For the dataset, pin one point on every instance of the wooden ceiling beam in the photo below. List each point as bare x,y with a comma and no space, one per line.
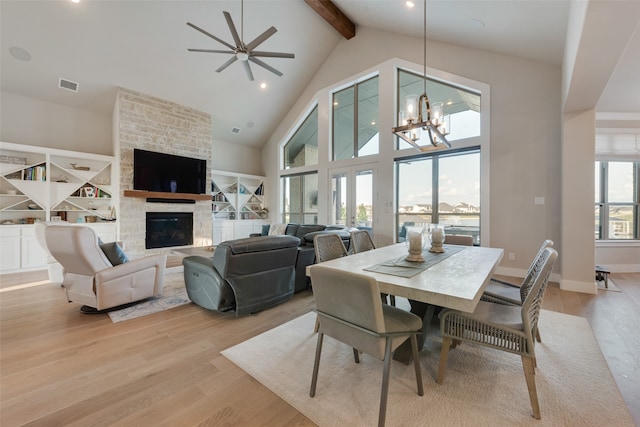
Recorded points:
334,16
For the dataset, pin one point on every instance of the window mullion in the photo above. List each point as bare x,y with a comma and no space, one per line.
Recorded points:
435,196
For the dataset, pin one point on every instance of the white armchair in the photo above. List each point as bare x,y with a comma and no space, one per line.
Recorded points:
91,279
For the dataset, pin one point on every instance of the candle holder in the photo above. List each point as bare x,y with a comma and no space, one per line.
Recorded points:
416,241
437,237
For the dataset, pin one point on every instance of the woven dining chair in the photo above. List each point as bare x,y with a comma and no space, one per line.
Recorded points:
328,246
503,327
458,239
361,242
350,310
501,292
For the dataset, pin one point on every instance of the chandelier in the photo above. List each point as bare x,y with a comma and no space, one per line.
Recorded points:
420,116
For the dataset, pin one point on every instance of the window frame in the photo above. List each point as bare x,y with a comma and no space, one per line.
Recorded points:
604,205
303,213
356,115
434,215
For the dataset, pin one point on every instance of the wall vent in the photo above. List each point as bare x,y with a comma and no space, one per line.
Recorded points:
68,85
235,130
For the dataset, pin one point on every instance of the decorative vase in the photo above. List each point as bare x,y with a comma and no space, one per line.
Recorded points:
437,237
415,242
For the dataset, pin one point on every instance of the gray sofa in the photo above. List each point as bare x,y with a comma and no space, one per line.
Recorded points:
306,252
245,275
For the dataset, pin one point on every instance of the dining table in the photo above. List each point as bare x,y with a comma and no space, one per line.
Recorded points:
452,279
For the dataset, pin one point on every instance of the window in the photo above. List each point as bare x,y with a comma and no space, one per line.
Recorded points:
617,198
440,188
355,120
300,198
302,148
461,107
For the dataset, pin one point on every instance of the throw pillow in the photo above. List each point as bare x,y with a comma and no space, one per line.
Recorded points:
277,229
114,253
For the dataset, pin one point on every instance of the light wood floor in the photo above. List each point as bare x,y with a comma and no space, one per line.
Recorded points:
60,367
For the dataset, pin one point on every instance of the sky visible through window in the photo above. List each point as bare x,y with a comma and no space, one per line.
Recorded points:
459,181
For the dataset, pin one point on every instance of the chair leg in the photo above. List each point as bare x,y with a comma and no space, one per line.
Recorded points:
529,374
538,335
392,299
316,366
356,355
444,355
385,383
317,326
416,364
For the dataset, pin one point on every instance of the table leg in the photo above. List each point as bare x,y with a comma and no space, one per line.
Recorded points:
425,311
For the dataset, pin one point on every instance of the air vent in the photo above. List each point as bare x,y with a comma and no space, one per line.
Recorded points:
235,130
68,85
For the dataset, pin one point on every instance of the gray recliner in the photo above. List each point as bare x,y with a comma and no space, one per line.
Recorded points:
245,275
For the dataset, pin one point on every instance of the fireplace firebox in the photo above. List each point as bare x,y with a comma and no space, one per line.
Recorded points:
166,229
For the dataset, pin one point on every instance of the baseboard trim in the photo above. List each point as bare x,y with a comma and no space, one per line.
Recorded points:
584,287
622,268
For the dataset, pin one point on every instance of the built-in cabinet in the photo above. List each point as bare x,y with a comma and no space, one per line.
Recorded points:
235,229
37,184
20,250
238,207
237,196
40,184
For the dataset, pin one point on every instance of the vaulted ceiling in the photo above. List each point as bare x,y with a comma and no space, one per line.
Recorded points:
142,45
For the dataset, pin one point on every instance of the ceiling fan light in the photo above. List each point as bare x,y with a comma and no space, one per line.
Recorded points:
242,56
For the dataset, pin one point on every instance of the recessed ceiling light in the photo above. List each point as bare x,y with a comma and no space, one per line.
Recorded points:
410,4
20,53
75,1
263,85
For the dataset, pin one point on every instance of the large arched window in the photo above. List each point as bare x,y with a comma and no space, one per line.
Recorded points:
302,147
461,106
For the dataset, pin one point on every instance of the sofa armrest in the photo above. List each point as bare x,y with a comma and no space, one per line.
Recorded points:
154,261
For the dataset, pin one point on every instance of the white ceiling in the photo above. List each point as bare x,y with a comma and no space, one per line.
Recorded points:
142,45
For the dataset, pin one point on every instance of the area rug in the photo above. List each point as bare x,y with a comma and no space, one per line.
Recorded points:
174,294
482,387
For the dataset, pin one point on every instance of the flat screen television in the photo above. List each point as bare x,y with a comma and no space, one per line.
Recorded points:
168,173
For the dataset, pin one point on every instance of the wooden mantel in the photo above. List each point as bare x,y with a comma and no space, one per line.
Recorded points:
163,195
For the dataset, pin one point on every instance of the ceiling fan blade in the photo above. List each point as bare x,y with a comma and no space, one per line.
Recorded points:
195,27
261,38
211,51
247,68
266,66
272,54
232,28
226,64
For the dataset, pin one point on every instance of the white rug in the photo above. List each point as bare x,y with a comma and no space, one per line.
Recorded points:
482,387
174,294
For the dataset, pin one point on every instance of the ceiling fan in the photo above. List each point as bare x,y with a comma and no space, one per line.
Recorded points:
241,51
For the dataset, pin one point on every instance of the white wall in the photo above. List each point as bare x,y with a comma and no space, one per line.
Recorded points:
32,121
44,124
525,132
230,157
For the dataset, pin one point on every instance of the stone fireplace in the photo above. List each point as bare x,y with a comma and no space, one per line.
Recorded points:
153,124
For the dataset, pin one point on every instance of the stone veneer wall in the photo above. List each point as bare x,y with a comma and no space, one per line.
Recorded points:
153,124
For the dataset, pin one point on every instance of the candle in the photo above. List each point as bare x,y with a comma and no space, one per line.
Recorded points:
415,242
437,235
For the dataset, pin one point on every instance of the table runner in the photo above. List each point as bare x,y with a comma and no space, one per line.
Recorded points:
403,268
